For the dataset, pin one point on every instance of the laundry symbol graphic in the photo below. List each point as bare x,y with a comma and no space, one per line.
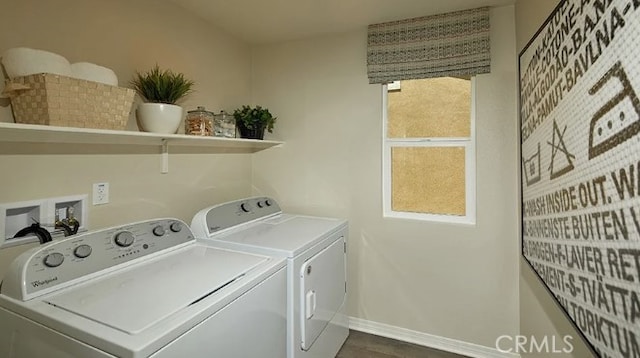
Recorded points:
557,144
532,172
619,118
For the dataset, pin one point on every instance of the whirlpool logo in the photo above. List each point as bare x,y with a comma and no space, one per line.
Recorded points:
38,283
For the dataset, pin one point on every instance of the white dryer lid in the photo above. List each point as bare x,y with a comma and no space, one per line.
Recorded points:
284,235
136,298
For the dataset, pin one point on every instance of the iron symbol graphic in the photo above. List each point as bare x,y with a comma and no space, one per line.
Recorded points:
619,118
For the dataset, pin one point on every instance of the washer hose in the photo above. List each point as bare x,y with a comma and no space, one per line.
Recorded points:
43,234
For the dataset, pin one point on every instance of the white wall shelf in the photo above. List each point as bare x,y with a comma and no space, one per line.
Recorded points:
13,132
31,133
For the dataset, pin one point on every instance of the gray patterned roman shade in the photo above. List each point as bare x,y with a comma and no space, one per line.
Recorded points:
453,44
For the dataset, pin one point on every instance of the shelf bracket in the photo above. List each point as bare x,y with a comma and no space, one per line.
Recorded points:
165,156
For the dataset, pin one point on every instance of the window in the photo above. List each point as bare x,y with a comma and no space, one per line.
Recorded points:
429,150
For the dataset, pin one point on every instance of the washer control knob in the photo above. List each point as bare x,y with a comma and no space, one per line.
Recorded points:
175,226
158,230
54,259
124,238
267,202
260,204
245,207
82,251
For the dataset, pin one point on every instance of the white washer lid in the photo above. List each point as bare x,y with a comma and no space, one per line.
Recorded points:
138,297
283,235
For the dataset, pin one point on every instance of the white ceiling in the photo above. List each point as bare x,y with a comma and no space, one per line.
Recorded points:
268,21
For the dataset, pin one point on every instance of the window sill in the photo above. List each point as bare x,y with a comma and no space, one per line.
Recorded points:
431,218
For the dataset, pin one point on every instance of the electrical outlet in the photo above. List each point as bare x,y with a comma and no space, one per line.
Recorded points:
100,193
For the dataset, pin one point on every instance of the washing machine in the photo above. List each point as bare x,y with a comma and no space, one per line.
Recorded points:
315,250
146,289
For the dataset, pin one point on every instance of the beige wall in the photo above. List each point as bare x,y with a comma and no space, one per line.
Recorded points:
540,316
127,36
448,280
454,281
530,14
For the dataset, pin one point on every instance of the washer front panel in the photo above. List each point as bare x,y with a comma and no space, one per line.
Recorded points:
45,268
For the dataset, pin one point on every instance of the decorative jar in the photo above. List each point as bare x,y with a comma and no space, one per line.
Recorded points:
199,122
225,125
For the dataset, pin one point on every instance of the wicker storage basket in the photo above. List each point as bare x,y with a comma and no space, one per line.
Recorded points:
69,102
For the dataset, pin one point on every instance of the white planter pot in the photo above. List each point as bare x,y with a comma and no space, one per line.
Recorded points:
159,117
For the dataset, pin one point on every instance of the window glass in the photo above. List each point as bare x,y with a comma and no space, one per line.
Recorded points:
428,180
430,108
429,150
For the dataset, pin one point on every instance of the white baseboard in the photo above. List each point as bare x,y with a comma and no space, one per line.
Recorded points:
427,340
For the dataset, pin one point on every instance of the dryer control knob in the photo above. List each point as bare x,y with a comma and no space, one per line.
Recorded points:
267,202
260,204
158,230
54,259
124,239
245,207
82,251
175,226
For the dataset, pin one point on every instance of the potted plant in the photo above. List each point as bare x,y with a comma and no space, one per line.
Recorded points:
251,122
161,89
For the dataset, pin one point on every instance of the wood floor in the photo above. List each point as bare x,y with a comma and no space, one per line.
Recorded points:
363,345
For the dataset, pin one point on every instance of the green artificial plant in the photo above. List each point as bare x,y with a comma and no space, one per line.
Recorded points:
254,118
161,86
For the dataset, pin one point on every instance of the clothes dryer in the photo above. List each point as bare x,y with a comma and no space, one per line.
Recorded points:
315,250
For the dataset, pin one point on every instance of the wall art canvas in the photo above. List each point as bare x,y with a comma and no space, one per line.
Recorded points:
580,158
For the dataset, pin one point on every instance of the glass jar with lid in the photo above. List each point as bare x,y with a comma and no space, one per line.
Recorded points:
224,125
199,122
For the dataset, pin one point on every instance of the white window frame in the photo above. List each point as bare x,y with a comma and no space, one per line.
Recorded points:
469,144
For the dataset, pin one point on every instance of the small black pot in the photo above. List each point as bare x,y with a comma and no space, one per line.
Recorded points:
257,133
